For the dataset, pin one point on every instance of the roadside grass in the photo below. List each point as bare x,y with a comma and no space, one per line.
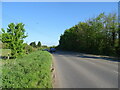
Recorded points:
31,71
5,52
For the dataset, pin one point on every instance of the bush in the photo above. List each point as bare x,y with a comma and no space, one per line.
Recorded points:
28,48
118,51
31,71
5,45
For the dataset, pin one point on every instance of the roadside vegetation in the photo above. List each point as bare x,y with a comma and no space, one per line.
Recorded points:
5,52
99,35
31,71
23,65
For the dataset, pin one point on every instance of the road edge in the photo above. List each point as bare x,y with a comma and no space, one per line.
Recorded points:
54,73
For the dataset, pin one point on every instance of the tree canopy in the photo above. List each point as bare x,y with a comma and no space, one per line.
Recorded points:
14,37
39,44
99,35
33,44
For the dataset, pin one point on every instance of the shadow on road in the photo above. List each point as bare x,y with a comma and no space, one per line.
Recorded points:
104,58
82,55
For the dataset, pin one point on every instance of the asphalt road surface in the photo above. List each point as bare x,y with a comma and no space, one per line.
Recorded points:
75,70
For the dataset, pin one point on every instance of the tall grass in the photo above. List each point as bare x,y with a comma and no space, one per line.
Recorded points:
31,71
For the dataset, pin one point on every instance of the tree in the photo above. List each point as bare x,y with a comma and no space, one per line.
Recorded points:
28,49
39,44
98,35
14,37
33,44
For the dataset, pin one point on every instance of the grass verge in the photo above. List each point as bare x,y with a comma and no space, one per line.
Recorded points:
31,71
5,52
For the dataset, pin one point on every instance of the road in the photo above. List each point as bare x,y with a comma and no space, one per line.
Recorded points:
76,70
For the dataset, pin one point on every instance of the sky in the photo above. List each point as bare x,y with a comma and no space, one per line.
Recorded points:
60,0
46,21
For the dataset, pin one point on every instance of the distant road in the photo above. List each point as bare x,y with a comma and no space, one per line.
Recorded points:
75,70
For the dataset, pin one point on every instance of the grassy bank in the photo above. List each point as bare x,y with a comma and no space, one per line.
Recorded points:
31,71
5,52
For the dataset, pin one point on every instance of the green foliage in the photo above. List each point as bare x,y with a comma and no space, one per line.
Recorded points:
41,48
33,71
0,45
5,52
33,44
44,46
39,44
5,45
14,38
97,35
53,46
28,49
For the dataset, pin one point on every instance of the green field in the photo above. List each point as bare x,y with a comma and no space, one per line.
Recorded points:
31,71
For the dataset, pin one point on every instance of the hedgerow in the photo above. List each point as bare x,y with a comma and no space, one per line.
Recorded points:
31,71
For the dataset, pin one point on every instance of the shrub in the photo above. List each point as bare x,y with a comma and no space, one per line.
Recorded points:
28,48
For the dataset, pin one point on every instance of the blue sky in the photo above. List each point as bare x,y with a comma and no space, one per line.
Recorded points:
46,21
